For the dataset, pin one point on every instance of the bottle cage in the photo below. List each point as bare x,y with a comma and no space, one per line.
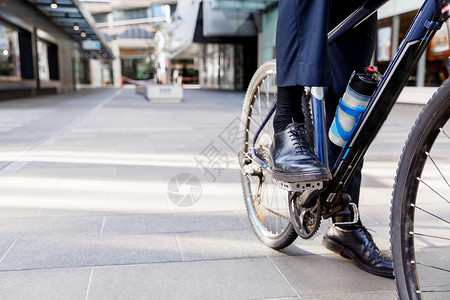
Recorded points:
354,112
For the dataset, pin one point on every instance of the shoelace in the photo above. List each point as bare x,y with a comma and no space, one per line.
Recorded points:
373,249
299,138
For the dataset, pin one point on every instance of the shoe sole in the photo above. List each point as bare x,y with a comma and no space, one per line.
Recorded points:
349,254
301,178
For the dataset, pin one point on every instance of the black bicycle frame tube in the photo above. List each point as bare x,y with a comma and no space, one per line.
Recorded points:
367,9
427,22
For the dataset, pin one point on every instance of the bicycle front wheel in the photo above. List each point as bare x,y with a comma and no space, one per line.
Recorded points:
420,213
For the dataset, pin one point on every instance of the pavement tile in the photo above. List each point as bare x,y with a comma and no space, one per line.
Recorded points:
68,252
215,196
329,275
5,245
56,284
220,279
436,256
66,169
227,245
6,211
92,170
50,227
171,223
379,295
112,203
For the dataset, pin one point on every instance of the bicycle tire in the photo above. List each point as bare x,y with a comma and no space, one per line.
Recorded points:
269,217
413,242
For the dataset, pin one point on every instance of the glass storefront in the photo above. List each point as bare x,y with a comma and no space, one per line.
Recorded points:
437,56
433,71
138,68
185,71
221,66
9,52
47,60
85,73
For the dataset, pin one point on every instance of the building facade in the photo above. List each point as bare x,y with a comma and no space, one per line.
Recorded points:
42,51
219,39
136,32
224,41
394,19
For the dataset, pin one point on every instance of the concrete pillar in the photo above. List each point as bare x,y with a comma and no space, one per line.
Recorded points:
116,65
96,72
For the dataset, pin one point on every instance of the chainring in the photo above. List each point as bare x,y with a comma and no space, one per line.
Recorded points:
306,220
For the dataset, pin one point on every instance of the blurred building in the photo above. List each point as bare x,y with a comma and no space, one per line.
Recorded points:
394,20
135,30
219,40
225,40
49,46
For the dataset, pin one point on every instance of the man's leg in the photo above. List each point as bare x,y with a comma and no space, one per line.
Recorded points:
353,51
302,59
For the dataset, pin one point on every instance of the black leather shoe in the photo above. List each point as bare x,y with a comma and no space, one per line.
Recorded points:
358,245
293,159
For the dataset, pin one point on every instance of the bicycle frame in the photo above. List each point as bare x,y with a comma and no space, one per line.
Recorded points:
429,19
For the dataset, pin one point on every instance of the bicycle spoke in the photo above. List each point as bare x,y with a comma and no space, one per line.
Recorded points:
256,102
274,199
430,236
269,219
431,214
267,93
253,121
437,168
445,133
419,179
430,266
270,203
435,291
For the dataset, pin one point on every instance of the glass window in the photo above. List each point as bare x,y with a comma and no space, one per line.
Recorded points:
101,18
161,11
47,60
121,15
158,11
9,52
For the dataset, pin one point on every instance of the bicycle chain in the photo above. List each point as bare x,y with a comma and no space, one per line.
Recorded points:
274,212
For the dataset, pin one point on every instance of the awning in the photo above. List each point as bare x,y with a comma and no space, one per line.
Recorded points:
77,21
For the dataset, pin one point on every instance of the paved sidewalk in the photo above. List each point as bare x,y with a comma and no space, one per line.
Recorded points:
87,204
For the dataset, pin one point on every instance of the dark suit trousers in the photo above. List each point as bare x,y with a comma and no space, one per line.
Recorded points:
305,58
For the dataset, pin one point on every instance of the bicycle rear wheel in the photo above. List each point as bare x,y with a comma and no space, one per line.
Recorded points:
267,204
420,212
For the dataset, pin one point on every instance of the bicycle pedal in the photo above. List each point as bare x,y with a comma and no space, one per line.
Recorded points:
299,186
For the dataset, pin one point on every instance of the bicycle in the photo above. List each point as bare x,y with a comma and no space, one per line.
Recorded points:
281,211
